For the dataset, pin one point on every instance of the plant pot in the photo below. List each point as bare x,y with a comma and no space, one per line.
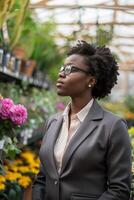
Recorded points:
27,195
31,66
28,67
19,53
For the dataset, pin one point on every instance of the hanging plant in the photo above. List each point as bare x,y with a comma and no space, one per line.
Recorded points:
12,13
19,23
5,7
104,35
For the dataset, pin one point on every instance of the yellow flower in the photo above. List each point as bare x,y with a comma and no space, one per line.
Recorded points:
2,179
18,162
11,176
27,154
15,168
131,130
23,169
2,186
35,171
34,164
24,181
132,142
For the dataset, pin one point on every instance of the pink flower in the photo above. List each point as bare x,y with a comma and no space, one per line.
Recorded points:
18,114
5,106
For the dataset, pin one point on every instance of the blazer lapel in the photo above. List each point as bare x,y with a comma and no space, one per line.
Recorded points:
48,150
89,124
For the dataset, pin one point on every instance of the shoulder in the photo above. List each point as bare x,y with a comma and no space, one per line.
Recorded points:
53,118
107,116
56,116
115,124
49,121
111,120
114,117
116,129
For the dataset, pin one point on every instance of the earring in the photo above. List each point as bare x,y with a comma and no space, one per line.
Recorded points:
89,85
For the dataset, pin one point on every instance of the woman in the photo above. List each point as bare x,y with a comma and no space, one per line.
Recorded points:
85,153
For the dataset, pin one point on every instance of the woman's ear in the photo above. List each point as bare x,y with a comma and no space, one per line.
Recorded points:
92,81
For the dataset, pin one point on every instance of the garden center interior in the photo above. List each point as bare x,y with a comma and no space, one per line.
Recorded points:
35,36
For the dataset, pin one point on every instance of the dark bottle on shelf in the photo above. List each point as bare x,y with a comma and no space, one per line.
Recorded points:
11,63
6,59
1,56
17,66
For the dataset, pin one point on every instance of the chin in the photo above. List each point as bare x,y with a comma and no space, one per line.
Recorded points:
61,93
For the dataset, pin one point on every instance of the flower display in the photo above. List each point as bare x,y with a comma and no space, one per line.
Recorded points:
16,113
19,173
12,116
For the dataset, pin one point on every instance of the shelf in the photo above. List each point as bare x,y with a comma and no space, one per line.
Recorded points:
29,137
8,76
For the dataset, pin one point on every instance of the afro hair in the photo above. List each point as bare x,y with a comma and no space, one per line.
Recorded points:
102,65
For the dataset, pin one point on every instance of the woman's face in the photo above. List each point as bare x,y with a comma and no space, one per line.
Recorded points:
76,83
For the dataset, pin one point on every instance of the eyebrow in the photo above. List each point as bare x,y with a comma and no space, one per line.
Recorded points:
70,63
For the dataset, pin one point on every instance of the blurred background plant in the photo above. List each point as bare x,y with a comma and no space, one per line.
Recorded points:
15,11
129,102
25,35
40,105
104,35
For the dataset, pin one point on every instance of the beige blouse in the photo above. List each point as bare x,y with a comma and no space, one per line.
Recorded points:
66,133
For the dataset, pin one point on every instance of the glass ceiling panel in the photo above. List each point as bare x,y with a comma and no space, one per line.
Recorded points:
71,15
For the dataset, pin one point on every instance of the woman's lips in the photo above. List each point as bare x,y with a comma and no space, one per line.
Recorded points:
59,83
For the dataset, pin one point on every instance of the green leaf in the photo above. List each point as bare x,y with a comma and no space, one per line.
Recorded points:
12,194
7,140
18,190
11,150
15,140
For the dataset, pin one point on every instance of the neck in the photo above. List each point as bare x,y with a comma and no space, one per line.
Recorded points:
78,103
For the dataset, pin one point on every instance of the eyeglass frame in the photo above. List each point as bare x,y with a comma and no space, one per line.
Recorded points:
72,69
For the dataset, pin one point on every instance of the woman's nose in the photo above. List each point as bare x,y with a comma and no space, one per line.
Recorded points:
62,74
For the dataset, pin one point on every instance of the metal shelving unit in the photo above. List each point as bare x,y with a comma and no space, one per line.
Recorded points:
8,76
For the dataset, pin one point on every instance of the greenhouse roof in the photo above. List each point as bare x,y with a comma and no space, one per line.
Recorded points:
82,17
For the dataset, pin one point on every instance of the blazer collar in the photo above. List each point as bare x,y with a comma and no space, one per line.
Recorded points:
89,124
95,113
47,147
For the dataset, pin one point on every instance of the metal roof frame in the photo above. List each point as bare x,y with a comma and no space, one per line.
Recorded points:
123,48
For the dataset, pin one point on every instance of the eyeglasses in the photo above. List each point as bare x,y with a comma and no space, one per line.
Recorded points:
70,69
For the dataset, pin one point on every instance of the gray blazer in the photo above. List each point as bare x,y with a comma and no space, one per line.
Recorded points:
96,164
